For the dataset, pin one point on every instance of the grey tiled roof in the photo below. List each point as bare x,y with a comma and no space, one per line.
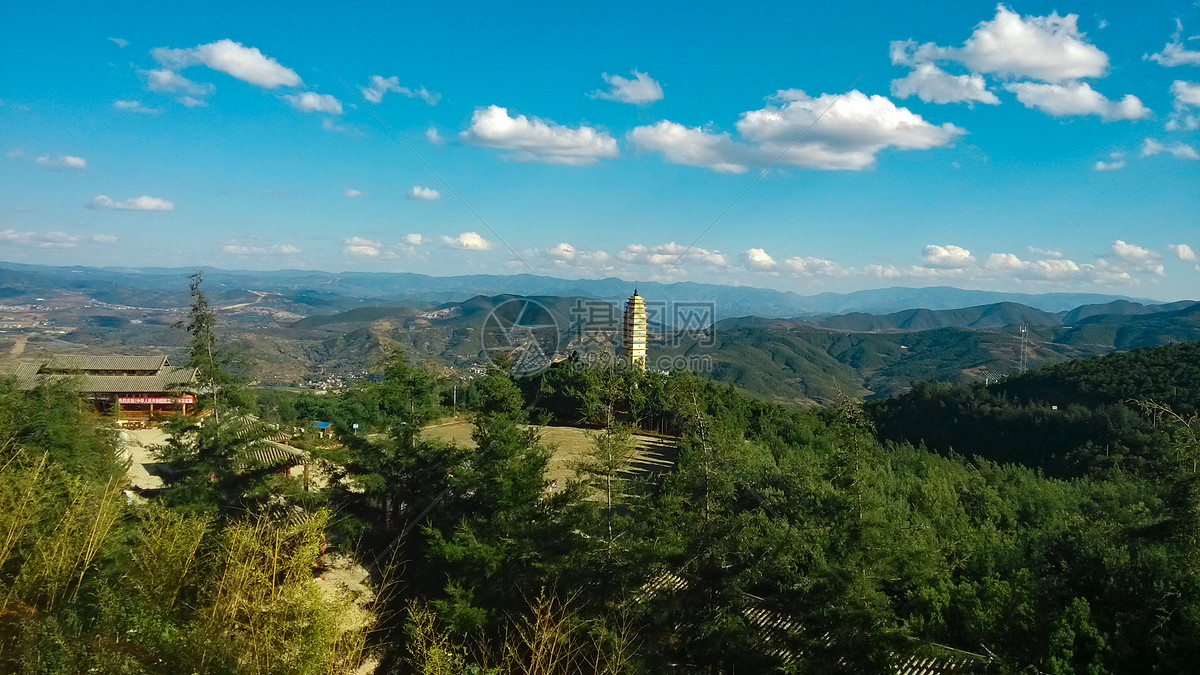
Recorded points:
114,362
165,377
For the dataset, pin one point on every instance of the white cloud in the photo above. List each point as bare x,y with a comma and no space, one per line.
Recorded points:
232,58
135,106
639,90
362,248
1174,53
413,239
1102,165
1186,93
13,154
851,132
351,193
143,203
533,139
934,85
692,146
55,239
1059,268
1004,262
813,267
1183,252
120,42
63,162
1048,48
434,136
849,135
1077,98
328,124
236,248
1138,257
759,259
382,85
1178,149
947,256
668,253
311,101
187,92
423,193
562,251
468,241
1052,252
1187,99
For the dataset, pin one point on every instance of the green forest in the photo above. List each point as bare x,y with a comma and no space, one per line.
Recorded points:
1047,523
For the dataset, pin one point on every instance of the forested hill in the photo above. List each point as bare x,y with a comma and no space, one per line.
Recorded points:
1080,418
876,356
1169,374
982,316
1118,312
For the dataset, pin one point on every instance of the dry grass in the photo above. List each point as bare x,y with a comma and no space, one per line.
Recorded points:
571,445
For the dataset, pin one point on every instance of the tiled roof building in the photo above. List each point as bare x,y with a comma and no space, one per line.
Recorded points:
134,387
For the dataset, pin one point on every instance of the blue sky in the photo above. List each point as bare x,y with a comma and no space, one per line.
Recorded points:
1031,146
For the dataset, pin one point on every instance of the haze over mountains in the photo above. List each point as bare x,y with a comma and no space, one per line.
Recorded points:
300,328
309,292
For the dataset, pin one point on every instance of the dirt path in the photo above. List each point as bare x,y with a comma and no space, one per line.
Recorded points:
18,347
143,467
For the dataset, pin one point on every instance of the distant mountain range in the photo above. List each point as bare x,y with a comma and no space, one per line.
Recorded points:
307,292
319,329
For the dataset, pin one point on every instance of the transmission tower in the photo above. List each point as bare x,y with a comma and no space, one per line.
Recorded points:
1024,359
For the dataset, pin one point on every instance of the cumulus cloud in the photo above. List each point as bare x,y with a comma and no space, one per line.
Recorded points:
1077,98
236,248
1046,252
1117,161
143,203
1175,53
1151,147
311,101
668,253
362,248
381,85
187,92
57,239
1048,48
423,193
120,42
232,58
851,132
758,259
136,107
639,90
434,136
562,251
1187,101
1183,252
1004,261
13,154
351,193
693,146
1137,257
946,256
812,266
529,139
413,239
931,84
62,162
468,241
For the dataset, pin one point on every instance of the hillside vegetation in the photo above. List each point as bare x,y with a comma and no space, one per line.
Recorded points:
780,540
